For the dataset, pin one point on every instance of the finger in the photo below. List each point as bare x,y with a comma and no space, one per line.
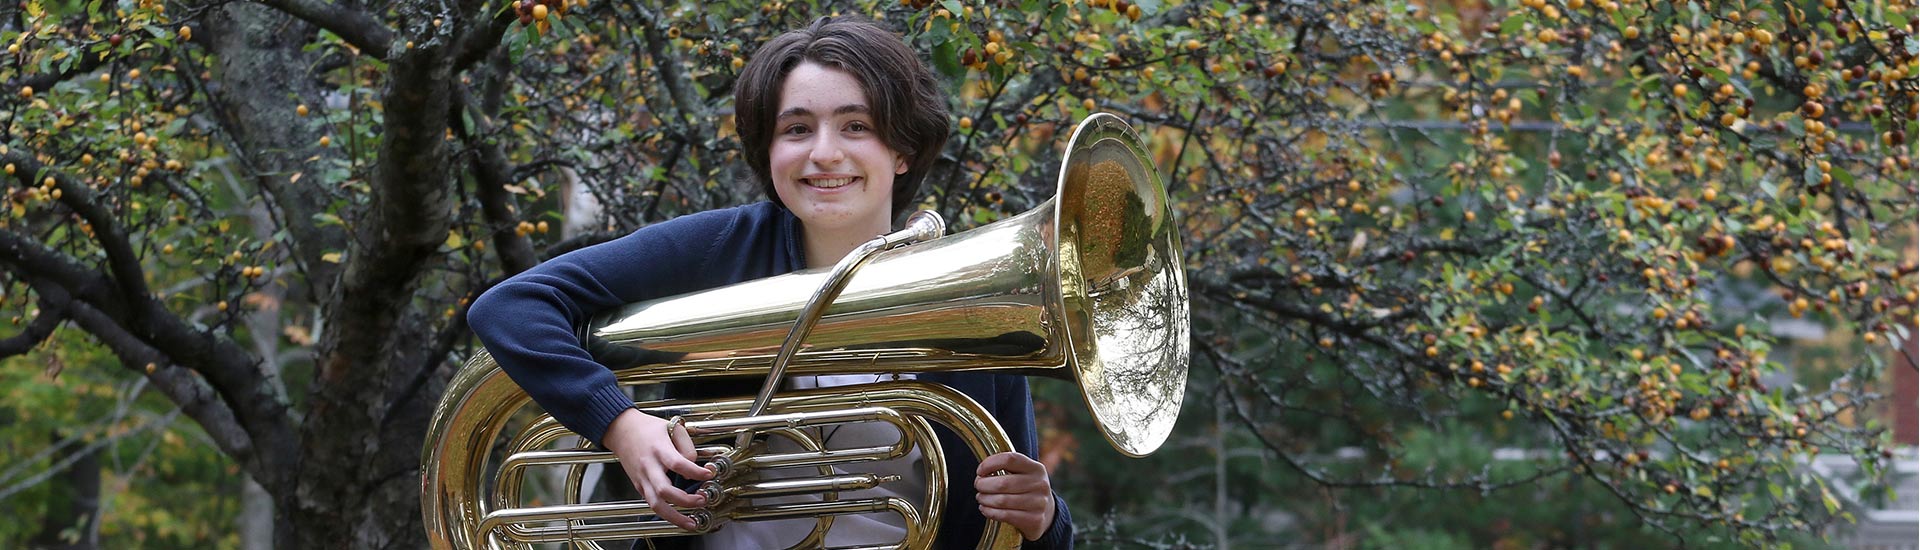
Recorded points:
1012,483
995,514
656,501
675,496
1018,502
1012,462
993,464
1026,523
681,465
682,440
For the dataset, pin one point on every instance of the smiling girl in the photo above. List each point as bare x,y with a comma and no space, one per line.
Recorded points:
840,123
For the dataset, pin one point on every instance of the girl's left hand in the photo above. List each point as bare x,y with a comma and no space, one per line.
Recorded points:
1021,496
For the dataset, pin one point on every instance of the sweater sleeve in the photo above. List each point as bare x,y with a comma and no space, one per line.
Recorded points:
1015,409
529,323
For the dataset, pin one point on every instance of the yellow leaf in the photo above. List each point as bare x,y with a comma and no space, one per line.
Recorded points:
454,240
515,189
330,257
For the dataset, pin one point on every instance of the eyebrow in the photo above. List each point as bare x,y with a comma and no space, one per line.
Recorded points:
849,108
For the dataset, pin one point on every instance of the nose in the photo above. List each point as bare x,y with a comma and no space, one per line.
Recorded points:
826,149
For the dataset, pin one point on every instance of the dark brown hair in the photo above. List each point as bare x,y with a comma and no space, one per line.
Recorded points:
907,105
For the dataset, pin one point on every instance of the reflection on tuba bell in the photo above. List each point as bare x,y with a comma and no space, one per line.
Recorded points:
1088,286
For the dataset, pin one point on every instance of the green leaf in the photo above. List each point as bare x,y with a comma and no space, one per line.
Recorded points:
946,60
1513,24
1841,175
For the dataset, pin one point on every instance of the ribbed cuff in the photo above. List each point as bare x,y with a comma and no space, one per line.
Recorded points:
1059,536
601,407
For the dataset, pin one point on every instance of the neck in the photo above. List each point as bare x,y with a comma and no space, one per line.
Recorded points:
826,247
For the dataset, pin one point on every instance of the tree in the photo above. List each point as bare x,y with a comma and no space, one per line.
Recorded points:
1572,219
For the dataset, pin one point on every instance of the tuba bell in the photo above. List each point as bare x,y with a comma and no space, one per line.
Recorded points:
1088,286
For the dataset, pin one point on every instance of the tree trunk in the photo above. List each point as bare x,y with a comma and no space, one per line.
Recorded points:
352,482
71,527
256,517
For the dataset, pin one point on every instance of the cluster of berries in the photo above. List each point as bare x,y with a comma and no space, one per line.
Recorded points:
536,11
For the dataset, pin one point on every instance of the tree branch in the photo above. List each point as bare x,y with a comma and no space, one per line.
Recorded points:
45,81
359,28
491,177
37,331
247,415
128,276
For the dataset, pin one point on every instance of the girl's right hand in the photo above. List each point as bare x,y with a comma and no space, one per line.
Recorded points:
647,451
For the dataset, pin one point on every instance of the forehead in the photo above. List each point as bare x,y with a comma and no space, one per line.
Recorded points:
819,90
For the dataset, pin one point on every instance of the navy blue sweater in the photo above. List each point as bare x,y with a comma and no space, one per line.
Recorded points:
530,324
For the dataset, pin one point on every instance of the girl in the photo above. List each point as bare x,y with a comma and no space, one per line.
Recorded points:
840,123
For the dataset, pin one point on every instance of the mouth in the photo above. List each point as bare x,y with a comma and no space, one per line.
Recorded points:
829,183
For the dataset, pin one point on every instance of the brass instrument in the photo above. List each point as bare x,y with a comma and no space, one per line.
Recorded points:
1087,286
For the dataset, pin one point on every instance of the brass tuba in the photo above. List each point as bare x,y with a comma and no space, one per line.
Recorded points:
1088,286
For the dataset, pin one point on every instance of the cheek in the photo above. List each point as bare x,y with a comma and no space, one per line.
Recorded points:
781,158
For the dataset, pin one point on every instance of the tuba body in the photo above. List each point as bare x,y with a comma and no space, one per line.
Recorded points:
1088,286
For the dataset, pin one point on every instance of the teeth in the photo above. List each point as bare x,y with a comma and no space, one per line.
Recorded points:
829,183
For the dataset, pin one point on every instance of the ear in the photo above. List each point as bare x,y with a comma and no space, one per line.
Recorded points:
899,164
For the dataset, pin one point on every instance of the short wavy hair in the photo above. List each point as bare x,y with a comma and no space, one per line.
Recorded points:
905,98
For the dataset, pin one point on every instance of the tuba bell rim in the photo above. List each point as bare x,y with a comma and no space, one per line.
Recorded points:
1135,401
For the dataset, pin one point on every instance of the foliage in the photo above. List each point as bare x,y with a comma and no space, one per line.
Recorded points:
165,486
1569,224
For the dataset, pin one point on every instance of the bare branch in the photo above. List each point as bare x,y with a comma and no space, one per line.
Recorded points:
359,28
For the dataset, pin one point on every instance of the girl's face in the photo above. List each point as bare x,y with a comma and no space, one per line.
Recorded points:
829,165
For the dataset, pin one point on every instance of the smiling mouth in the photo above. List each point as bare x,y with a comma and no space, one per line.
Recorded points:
828,183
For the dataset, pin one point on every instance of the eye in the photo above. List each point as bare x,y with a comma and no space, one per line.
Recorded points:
796,130
858,126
